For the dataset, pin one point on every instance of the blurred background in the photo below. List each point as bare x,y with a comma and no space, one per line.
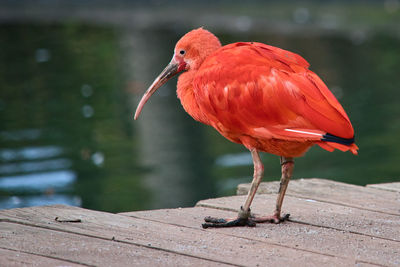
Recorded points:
72,73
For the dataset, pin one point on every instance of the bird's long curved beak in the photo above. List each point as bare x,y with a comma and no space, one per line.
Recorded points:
171,70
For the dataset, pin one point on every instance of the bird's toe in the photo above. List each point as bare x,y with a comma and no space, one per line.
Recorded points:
271,219
219,223
210,219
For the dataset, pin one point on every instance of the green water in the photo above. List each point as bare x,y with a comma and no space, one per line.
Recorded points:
67,135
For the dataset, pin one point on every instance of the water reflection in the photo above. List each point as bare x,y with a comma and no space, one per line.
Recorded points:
30,201
39,181
238,159
68,92
29,153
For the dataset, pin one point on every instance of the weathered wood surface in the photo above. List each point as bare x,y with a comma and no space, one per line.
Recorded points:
367,198
324,230
395,187
11,258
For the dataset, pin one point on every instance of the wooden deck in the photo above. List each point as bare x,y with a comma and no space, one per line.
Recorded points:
331,224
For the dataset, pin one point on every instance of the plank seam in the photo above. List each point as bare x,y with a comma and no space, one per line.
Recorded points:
349,231
47,256
256,240
312,181
342,204
120,241
307,223
199,204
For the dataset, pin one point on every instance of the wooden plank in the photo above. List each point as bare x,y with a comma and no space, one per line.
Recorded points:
208,245
317,213
395,187
86,250
335,192
12,258
309,237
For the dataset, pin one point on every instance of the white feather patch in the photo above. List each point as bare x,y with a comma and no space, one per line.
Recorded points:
303,132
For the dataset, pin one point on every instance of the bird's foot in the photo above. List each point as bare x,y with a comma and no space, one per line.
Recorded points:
243,219
217,222
271,219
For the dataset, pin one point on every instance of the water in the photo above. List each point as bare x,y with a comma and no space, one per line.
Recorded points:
67,135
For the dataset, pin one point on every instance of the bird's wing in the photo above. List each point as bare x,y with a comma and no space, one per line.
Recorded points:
255,89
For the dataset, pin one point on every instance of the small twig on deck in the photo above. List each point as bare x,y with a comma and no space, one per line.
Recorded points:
71,221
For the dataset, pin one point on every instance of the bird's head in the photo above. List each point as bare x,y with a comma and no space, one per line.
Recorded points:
190,51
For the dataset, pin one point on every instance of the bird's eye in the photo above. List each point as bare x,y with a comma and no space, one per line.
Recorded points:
182,52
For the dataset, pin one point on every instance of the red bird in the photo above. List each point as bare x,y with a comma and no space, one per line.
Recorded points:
260,96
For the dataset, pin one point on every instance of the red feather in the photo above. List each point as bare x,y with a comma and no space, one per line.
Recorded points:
267,98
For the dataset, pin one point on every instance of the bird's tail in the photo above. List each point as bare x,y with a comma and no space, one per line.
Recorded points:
330,142
325,140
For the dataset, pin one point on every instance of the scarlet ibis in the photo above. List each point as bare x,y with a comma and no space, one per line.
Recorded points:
260,96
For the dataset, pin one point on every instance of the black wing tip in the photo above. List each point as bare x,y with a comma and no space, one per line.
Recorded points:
336,139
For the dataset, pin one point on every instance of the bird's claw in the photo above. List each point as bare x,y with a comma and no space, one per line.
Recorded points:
284,218
218,223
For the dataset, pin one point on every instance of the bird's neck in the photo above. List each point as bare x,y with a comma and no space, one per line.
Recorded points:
187,97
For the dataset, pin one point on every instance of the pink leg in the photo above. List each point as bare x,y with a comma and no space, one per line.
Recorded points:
287,170
243,218
257,177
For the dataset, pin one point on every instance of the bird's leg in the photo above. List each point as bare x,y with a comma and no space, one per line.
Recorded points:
287,170
243,218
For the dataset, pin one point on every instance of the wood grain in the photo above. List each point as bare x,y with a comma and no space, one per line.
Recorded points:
331,224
